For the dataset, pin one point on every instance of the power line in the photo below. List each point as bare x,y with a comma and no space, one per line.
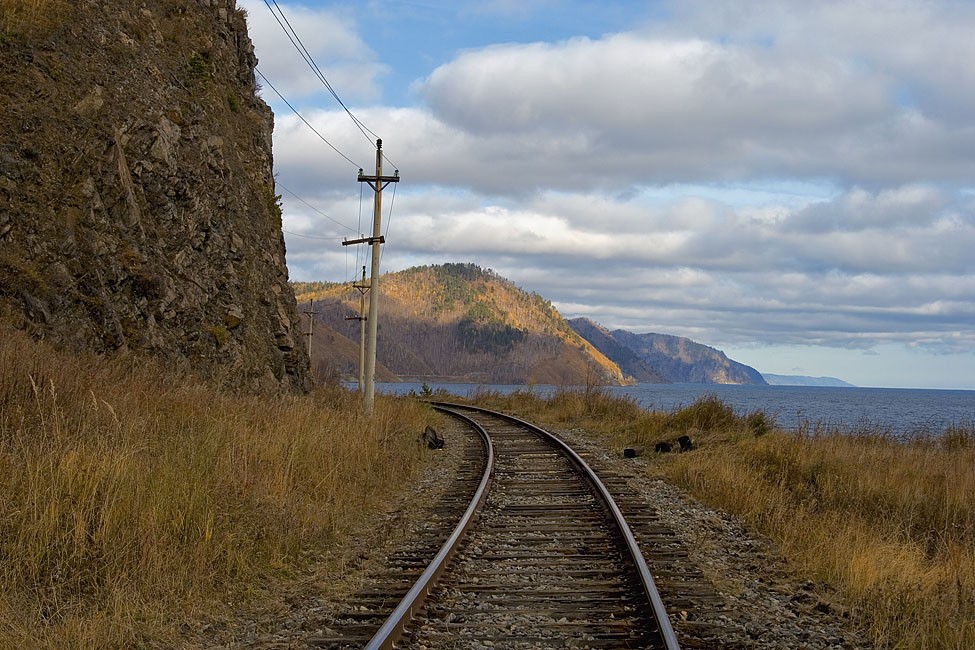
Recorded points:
389,221
358,249
349,228
306,55
298,234
310,61
301,117
299,45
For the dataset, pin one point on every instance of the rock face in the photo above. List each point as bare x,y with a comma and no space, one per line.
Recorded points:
137,203
656,358
628,360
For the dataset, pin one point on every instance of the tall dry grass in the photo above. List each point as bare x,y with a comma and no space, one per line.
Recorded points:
31,16
131,498
890,522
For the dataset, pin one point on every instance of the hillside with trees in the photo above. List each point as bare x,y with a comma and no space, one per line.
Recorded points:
460,323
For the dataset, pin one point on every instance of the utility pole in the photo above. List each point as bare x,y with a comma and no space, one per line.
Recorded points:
377,183
363,287
311,319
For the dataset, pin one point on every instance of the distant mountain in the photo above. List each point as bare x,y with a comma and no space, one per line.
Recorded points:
336,356
461,323
455,322
662,358
631,363
801,380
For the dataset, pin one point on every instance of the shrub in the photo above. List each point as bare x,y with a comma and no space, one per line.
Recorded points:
708,413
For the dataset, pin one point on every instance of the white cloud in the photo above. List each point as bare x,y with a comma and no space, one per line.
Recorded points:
330,38
922,47
660,108
768,173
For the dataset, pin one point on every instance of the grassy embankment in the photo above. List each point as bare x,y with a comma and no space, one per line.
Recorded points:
890,523
132,499
28,16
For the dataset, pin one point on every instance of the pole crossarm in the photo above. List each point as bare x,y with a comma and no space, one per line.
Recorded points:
379,181
381,239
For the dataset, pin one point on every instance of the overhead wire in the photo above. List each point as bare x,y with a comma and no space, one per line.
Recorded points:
289,30
358,249
389,221
298,234
299,45
307,123
336,150
349,228
306,55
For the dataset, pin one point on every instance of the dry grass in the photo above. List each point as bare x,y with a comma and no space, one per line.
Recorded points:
131,499
891,523
30,17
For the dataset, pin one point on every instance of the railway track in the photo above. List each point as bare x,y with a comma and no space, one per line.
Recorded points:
543,559
523,579
534,562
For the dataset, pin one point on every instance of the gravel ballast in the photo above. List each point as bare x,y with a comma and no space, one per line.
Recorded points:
759,603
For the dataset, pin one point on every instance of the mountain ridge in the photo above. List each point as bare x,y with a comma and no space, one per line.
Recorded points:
805,380
674,359
459,323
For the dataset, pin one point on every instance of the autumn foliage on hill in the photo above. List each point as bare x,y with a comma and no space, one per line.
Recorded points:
459,322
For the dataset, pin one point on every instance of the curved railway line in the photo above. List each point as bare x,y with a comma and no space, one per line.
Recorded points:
541,558
523,579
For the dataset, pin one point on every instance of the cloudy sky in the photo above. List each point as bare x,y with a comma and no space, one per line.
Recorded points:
791,182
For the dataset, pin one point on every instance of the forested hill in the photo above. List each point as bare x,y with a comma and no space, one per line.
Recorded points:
457,322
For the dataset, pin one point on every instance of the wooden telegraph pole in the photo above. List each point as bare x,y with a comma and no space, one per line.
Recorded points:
377,183
363,287
310,312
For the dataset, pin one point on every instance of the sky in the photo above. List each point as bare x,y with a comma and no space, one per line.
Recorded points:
790,182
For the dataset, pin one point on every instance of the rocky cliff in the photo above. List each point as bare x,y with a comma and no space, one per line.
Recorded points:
664,358
137,203
631,363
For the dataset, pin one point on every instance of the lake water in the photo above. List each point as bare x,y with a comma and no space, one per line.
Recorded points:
899,410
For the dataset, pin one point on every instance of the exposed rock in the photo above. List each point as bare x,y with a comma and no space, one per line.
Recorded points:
656,358
234,317
137,202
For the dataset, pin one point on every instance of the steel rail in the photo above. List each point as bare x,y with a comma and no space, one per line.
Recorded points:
392,629
646,578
